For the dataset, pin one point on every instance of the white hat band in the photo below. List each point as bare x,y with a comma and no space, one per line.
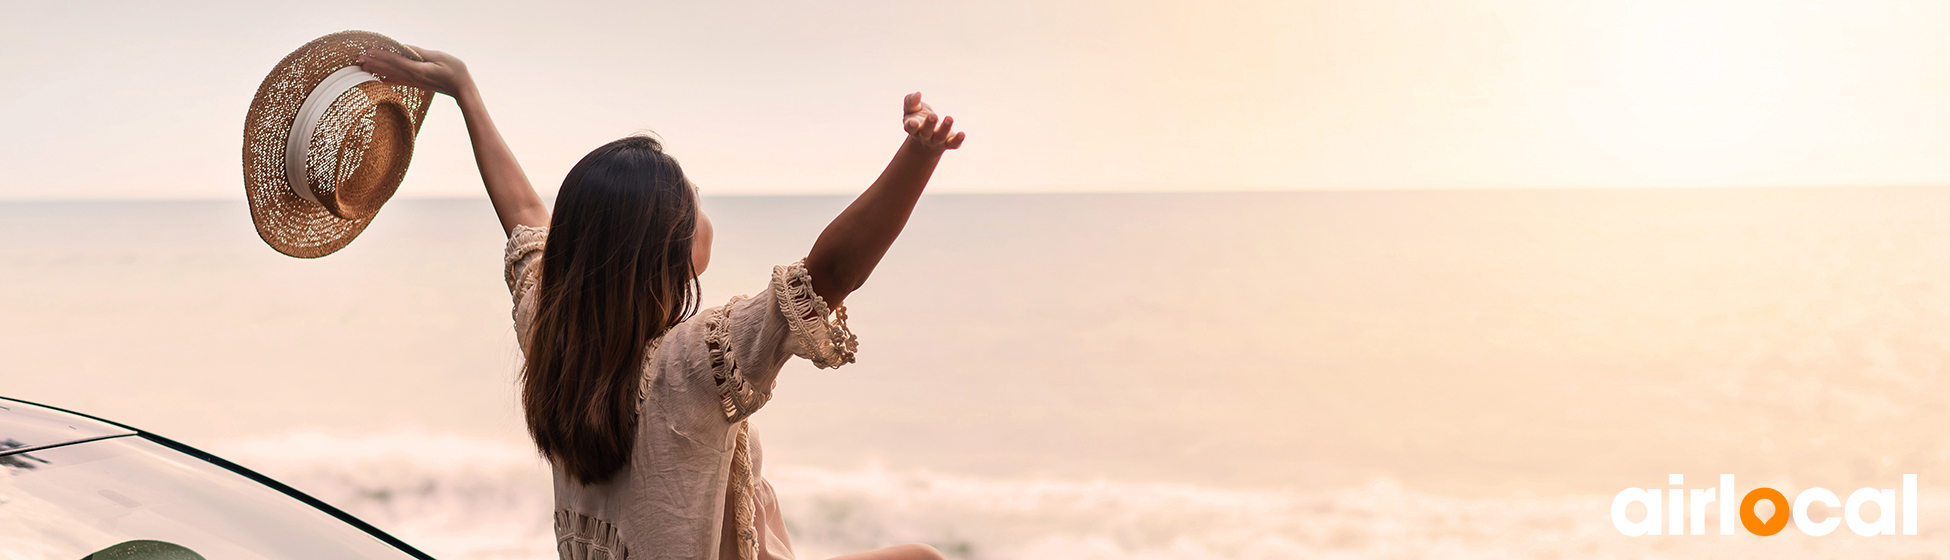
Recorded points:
299,140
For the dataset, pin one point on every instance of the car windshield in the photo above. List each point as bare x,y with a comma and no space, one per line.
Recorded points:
134,498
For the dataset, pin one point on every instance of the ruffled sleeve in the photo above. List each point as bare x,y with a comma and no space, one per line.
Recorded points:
818,334
522,261
749,339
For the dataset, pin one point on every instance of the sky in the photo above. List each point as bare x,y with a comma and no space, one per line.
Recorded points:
142,100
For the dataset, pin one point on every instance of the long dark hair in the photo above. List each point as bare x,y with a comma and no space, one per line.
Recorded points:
616,274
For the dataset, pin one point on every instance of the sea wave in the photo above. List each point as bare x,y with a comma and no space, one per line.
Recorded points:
451,495
466,497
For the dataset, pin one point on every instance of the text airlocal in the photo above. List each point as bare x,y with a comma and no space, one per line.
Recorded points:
1685,508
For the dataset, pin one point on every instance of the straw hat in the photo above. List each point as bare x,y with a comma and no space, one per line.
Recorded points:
326,144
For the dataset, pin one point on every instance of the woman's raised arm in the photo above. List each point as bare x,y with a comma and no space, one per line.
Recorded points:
852,245
514,198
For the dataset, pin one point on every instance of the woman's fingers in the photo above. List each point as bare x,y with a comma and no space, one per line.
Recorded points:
919,122
394,69
381,56
931,129
437,58
914,113
927,127
941,134
376,62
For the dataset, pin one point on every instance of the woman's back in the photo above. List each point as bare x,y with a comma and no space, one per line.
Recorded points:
691,487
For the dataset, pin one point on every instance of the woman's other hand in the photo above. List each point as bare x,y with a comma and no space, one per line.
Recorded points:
925,127
441,72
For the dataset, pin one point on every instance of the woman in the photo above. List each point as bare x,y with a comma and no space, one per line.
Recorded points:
639,402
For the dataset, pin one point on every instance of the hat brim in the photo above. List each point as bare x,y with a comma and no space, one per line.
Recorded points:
287,222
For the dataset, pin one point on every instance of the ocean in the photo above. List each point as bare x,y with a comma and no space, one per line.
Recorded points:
1354,374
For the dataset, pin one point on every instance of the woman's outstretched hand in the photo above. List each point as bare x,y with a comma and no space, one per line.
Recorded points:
515,201
925,127
441,72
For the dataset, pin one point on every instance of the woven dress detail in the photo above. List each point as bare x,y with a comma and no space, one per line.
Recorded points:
734,394
827,345
741,496
739,401
587,538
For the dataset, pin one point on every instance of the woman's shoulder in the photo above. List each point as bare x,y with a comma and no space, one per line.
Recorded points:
525,235
521,268
525,245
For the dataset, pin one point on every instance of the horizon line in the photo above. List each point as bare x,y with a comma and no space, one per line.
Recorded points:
1066,191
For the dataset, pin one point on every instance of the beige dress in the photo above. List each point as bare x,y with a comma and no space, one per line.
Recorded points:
693,489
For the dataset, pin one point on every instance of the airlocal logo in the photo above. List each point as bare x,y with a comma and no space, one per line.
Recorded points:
1677,511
